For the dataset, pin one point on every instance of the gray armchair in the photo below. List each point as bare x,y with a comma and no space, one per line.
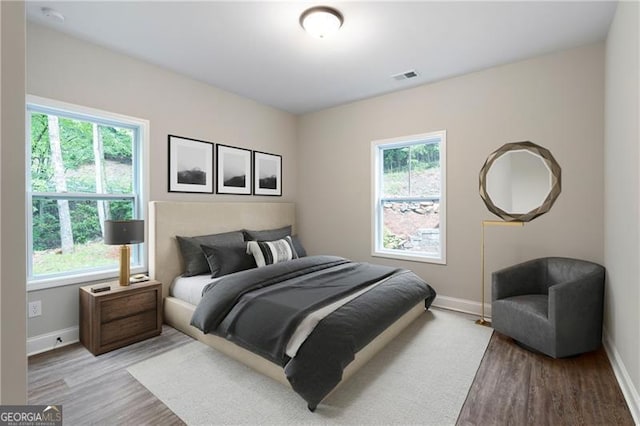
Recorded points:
552,305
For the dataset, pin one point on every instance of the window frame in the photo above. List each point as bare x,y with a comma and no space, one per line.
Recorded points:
377,146
140,186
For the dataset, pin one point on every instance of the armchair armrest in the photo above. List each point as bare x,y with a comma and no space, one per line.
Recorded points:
516,280
577,301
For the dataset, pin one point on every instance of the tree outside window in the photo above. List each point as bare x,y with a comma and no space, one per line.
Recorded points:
84,170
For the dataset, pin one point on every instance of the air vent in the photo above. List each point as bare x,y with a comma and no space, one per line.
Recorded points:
405,75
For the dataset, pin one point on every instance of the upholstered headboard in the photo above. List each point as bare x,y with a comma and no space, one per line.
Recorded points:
169,218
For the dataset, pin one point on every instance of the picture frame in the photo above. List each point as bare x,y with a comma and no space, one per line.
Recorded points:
233,170
267,174
190,165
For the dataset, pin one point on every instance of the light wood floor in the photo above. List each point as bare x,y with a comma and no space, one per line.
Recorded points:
512,387
99,390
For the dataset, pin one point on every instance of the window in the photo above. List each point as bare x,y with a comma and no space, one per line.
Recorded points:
408,176
85,166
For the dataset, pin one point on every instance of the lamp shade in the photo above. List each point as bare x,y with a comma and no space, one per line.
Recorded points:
119,232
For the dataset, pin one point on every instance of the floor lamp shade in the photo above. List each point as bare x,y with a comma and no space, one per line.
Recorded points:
123,233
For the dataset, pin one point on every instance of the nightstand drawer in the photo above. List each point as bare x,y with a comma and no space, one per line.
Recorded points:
125,328
125,306
120,316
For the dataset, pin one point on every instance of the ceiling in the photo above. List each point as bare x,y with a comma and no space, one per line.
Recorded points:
258,49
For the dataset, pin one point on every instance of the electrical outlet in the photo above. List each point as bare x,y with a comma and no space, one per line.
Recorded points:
35,308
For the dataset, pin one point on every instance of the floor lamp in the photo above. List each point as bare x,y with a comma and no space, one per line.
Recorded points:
485,223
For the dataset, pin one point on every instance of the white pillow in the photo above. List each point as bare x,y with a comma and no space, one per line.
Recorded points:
270,252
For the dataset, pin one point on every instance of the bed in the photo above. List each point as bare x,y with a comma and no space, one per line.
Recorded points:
168,219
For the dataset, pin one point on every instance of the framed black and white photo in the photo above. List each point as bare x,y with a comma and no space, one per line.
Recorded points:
190,165
234,170
267,174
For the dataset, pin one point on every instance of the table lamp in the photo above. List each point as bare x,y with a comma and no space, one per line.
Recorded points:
123,233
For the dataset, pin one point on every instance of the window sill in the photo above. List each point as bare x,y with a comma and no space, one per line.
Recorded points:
81,278
409,257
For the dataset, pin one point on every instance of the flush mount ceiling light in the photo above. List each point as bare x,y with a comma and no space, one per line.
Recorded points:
321,21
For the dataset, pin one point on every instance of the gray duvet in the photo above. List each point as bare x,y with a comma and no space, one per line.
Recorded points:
261,308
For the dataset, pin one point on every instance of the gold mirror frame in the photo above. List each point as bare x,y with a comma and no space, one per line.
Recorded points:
551,163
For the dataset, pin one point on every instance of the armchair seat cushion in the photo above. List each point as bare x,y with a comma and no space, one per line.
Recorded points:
525,319
533,306
553,305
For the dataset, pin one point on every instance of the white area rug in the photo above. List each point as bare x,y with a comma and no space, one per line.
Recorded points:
422,377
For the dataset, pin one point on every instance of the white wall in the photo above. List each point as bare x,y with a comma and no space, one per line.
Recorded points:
622,197
556,101
70,70
13,360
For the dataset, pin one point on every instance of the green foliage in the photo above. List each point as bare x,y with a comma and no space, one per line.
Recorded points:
117,144
77,143
120,210
420,157
41,169
76,140
391,240
90,255
84,221
46,228
396,160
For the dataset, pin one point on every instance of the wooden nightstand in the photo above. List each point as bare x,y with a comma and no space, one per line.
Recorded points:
121,316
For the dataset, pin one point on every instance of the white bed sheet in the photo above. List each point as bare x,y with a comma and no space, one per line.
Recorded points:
189,289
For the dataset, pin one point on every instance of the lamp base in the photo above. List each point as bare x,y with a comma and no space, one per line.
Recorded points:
124,265
484,322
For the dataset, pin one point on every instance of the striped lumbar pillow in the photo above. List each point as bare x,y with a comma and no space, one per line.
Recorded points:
270,252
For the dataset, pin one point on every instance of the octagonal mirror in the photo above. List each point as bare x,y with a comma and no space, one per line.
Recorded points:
520,181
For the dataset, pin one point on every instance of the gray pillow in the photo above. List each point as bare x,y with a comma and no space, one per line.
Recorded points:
195,262
225,260
267,234
297,245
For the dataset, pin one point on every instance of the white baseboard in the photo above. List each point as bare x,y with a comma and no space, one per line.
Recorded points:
49,341
629,391
462,305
